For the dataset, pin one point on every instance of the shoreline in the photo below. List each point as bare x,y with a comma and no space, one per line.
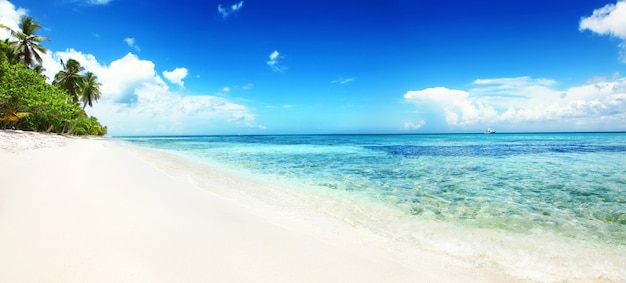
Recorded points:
537,255
95,210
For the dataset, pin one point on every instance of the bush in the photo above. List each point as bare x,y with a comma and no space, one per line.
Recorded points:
44,107
89,126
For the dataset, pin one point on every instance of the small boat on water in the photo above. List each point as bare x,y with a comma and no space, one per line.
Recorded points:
490,131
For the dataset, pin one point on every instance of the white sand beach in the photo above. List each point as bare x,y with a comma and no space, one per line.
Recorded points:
93,210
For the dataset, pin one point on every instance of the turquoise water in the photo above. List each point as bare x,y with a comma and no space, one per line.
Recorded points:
547,207
572,185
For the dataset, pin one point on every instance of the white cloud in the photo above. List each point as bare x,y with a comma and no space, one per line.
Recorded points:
609,20
225,12
136,100
273,56
526,104
227,89
131,42
414,126
51,61
515,82
502,91
237,6
91,2
456,105
98,2
9,16
176,76
343,81
274,63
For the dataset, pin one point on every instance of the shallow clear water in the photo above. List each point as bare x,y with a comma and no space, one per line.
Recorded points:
572,185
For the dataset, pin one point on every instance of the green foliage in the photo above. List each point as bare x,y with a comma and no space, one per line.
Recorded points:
70,78
89,126
90,90
49,107
6,52
27,102
26,44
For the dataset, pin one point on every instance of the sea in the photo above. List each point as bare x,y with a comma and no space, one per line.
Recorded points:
547,207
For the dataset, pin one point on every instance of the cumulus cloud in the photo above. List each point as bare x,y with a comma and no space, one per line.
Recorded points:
274,63
9,16
131,42
176,76
456,105
225,12
609,20
523,103
136,100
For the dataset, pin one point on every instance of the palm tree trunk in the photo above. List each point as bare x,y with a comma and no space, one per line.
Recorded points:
71,130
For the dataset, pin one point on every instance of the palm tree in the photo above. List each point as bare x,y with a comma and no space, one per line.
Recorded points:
26,46
89,92
70,78
40,69
7,54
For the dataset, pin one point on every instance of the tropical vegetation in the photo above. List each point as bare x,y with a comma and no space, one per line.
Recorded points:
28,102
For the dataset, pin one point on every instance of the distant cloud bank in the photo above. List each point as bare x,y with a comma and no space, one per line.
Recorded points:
225,12
523,102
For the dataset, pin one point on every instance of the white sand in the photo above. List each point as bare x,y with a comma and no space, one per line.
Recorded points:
90,210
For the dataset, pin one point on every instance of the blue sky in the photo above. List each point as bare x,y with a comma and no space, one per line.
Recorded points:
285,67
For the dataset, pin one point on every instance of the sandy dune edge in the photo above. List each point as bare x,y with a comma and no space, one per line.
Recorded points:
85,210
